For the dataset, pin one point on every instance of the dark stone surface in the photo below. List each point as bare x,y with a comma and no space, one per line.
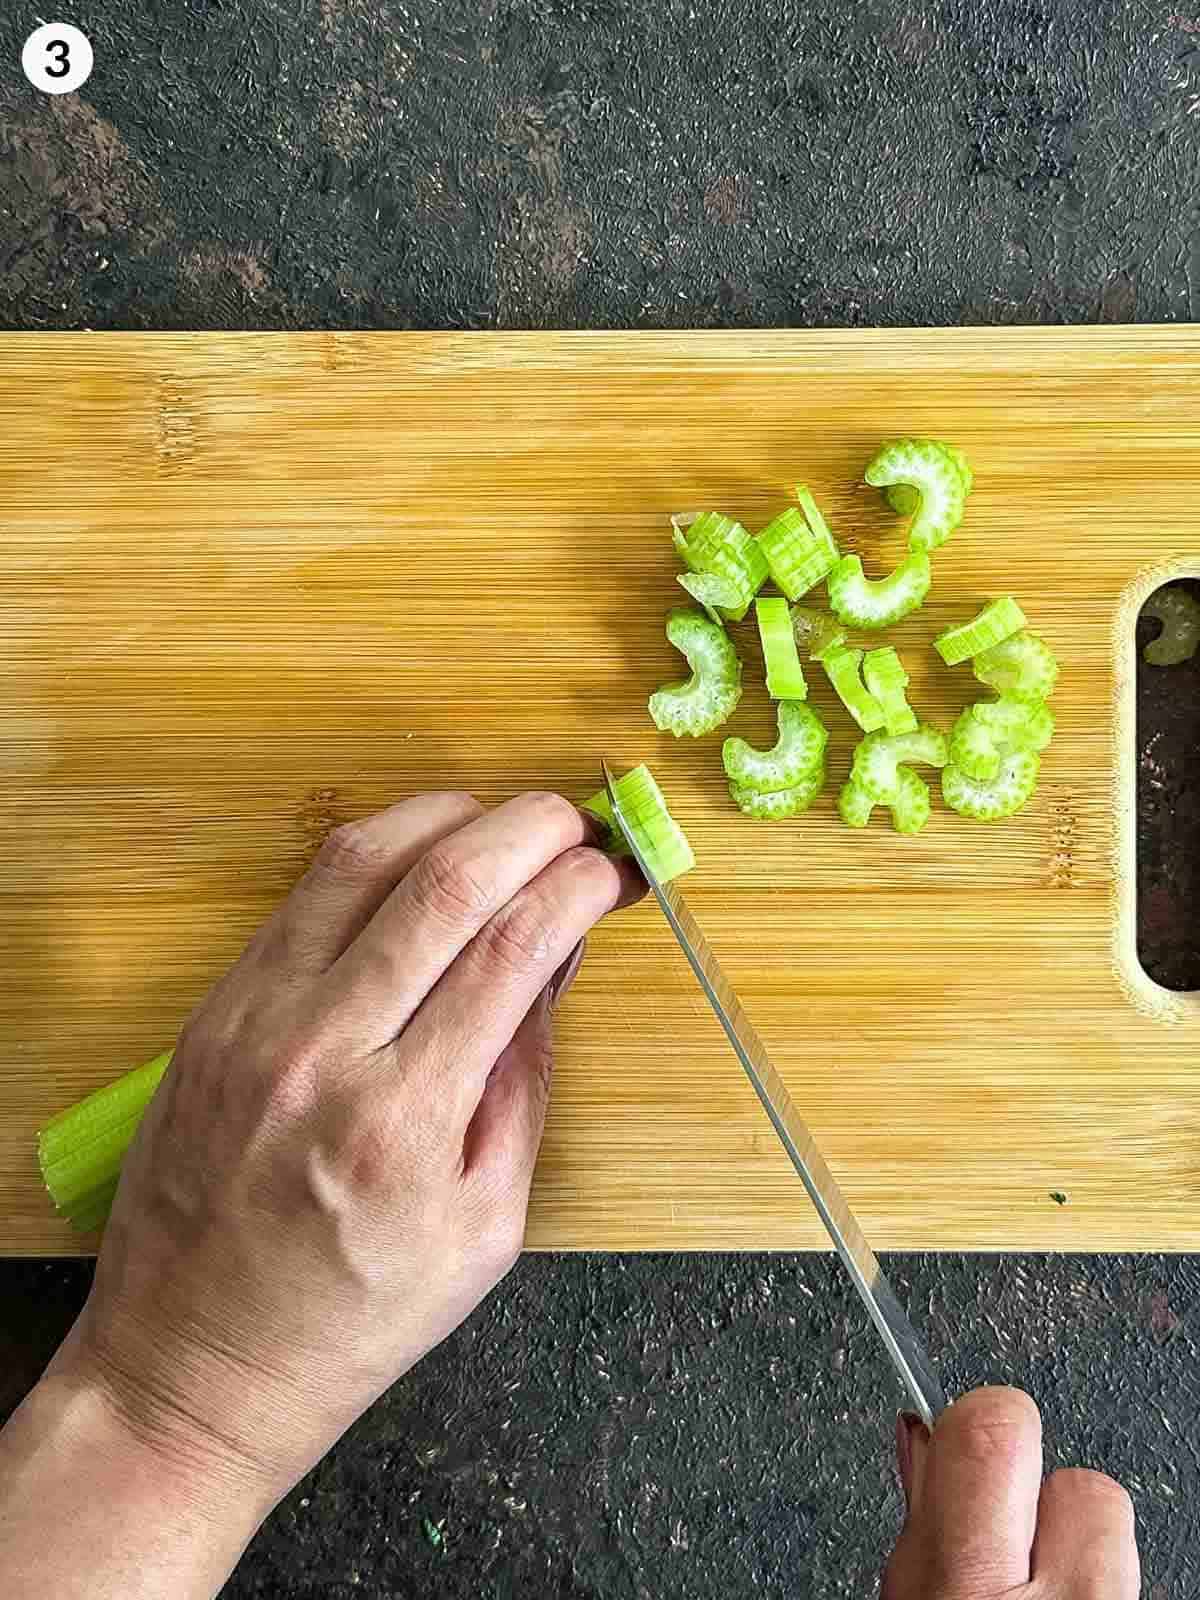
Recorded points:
649,1426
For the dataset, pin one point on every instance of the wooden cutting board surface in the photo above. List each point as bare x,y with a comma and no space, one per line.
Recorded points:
251,586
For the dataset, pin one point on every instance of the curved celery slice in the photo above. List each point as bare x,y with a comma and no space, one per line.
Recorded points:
798,547
862,602
709,697
815,632
799,748
80,1151
990,730
904,499
842,669
778,804
928,467
713,593
886,679
718,546
1021,665
880,757
996,622
785,675
910,808
1179,612
1005,794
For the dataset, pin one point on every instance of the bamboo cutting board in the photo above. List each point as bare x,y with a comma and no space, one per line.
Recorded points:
251,586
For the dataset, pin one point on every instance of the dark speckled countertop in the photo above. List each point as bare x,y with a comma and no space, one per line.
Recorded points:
646,1426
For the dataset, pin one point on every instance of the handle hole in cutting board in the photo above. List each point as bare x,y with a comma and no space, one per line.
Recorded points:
1168,812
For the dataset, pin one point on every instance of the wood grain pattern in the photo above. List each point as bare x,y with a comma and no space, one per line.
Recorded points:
254,585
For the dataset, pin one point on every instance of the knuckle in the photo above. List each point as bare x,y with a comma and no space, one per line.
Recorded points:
520,937
461,803
451,887
1083,1486
351,850
550,808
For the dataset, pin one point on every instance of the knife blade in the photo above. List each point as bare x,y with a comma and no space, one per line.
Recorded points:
906,1349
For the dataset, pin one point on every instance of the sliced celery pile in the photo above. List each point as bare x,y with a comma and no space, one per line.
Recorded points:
659,837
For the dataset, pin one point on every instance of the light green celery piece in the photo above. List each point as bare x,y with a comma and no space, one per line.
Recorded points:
996,622
659,837
842,667
709,697
716,545
991,729
923,465
812,515
958,457
797,555
799,748
869,603
880,756
910,809
715,594
785,675
1179,612
1021,665
1006,793
886,680
815,631
778,804
81,1149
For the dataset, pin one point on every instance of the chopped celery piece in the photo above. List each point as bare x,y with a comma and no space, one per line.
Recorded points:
778,804
991,730
996,622
785,675
713,593
658,836
798,547
1179,612
1021,665
910,808
815,632
880,757
799,748
842,668
939,477
719,547
81,1149
709,697
1005,794
862,602
886,680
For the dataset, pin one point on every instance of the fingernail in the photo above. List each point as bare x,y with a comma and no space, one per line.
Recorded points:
912,1444
565,976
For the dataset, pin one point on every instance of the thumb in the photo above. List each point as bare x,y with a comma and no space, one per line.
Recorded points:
505,1134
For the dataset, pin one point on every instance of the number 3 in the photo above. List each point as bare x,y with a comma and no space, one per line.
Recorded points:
63,58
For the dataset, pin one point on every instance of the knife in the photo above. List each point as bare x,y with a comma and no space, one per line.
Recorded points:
908,1353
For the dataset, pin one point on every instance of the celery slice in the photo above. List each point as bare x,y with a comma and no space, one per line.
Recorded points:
905,500
861,602
1021,665
991,729
718,546
996,622
815,632
785,675
714,594
778,804
799,748
842,668
709,697
910,808
880,756
1179,612
81,1149
936,474
659,837
1006,793
798,547
886,680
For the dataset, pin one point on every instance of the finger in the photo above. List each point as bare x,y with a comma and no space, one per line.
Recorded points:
354,871
476,1008
973,1518
454,890
1085,1547
505,1134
